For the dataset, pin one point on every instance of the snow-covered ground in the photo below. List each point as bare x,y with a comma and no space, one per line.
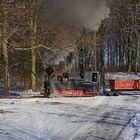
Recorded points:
81,118
122,75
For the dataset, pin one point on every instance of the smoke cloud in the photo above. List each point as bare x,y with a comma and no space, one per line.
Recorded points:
68,17
79,13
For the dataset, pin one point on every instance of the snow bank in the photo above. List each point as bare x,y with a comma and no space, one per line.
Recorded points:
122,75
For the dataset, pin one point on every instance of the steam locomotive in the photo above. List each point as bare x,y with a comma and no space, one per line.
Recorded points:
71,84
74,84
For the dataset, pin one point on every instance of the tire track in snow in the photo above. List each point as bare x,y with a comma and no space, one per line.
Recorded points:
132,130
135,123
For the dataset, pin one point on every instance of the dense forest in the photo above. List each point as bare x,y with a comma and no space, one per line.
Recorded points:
69,36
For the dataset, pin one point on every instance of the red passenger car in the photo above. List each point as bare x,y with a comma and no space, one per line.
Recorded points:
130,84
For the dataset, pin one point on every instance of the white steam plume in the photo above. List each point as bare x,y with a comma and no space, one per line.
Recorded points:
80,13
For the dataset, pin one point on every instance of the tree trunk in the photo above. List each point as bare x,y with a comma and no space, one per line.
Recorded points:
5,54
33,70
6,70
33,27
95,53
130,60
102,69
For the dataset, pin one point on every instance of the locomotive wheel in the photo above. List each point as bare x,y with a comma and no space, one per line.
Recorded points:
116,93
107,93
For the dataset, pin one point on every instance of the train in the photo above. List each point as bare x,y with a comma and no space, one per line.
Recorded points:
125,84
73,84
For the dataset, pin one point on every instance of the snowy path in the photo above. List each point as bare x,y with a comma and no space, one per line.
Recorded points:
94,118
